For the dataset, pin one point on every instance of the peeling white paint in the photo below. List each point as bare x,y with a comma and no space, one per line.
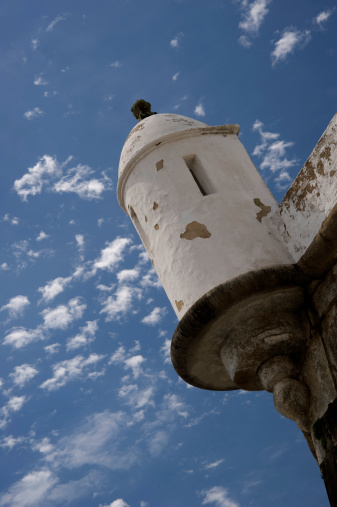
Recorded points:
312,195
238,241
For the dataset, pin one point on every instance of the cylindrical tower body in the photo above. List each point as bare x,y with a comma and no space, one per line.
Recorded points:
198,203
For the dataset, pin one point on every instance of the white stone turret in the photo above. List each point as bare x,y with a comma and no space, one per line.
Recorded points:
199,205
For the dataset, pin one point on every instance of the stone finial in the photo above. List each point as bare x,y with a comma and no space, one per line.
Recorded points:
141,109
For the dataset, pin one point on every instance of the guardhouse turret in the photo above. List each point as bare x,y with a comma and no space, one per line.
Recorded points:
198,203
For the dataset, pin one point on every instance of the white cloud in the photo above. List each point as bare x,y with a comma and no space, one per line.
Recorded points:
135,397
86,335
322,17
173,404
12,220
134,363
40,81
30,490
16,306
63,315
214,464
50,94
35,43
80,241
15,403
291,39
166,351
20,337
100,222
112,254
32,182
52,349
77,180
117,503
53,288
199,110
4,266
219,497
120,303
244,41
51,25
48,174
42,236
128,275
253,15
70,369
272,151
118,357
155,316
96,442
175,76
116,64
23,374
33,113
9,442
151,280
175,42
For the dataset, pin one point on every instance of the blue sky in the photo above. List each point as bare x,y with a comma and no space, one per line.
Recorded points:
92,412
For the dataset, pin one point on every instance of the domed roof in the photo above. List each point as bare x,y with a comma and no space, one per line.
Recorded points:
154,130
149,132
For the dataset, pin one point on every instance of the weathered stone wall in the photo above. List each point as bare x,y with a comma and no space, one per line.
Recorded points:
320,368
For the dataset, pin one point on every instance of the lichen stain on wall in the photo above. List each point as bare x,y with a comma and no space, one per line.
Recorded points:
156,227
195,230
179,304
160,165
264,209
155,205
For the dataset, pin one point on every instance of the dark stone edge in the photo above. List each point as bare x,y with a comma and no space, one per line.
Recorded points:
314,264
219,300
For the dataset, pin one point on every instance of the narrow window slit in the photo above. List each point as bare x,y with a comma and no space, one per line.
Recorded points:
139,229
199,175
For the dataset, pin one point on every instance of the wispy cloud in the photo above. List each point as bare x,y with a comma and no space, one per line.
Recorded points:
33,113
51,25
112,254
71,369
322,18
30,490
23,374
16,306
11,220
155,316
175,76
214,464
20,337
253,15
42,235
175,42
53,288
272,151
48,174
116,64
63,315
117,503
35,43
218,496
290,40
134,363
85,336
14,404
199,110
40,81
120,303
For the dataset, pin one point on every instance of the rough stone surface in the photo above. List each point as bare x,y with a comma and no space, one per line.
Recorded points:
292,399
312,195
